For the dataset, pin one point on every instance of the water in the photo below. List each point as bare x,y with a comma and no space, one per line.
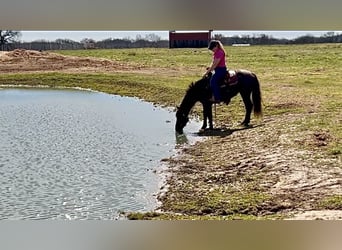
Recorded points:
67,154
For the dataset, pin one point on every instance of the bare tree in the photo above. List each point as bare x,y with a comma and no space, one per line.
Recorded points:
218,37
88,43
8,36
152,37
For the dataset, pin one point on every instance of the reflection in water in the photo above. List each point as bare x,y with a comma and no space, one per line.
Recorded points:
69,154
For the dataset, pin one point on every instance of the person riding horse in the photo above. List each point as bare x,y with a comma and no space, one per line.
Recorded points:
246,84
218,65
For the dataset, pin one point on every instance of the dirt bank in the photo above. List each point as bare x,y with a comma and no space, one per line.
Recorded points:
41,61
270,169
31,61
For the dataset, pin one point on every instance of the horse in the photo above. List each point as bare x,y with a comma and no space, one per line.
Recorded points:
246,83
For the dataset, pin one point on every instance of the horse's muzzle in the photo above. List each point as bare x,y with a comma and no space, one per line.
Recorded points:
179,130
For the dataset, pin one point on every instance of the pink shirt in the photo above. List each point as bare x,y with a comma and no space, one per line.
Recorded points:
221,55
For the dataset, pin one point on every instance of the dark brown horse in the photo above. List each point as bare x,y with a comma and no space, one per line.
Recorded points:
246,84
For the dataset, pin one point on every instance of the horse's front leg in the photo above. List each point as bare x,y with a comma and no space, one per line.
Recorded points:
205,117
210,116
207,114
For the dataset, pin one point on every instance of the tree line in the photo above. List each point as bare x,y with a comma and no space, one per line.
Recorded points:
67,44
262,39
9,40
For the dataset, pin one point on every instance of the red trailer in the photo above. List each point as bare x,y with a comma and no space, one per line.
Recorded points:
189,39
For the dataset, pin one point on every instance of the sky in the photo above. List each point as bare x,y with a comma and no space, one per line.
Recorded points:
29,36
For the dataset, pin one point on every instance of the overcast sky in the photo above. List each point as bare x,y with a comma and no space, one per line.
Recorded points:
28,36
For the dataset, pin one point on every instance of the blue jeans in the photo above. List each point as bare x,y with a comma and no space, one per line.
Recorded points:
215,81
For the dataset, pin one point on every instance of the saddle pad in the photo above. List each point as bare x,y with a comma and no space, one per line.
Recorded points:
231,78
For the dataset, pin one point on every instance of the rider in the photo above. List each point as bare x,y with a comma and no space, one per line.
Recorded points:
219,65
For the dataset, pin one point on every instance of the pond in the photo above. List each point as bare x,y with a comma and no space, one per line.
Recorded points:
75,154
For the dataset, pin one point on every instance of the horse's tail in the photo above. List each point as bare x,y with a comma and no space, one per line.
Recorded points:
256,98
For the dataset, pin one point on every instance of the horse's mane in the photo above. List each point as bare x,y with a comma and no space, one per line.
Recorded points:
196,85
190,88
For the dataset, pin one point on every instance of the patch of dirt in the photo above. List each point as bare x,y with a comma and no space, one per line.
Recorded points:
30,61
318,215
297,177
21,60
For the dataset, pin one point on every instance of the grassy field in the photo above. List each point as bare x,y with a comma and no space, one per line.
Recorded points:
301,81
296,78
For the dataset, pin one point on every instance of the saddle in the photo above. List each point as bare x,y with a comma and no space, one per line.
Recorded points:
230,78
227,85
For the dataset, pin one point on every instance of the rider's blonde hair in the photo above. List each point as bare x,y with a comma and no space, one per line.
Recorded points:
214,43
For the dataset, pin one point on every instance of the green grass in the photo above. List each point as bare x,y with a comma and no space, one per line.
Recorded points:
286,60
152,57
173,216
331,202
150,88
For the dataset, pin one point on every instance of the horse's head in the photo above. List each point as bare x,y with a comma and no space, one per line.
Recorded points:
197,91
182,120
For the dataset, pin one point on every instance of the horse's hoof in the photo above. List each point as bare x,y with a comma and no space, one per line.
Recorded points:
244,124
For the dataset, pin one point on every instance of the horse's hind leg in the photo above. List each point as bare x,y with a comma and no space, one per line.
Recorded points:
248,106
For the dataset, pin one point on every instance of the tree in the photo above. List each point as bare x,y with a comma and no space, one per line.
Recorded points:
152,37
88,43
218,37
8,36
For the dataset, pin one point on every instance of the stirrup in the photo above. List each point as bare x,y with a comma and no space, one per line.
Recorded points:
213,100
